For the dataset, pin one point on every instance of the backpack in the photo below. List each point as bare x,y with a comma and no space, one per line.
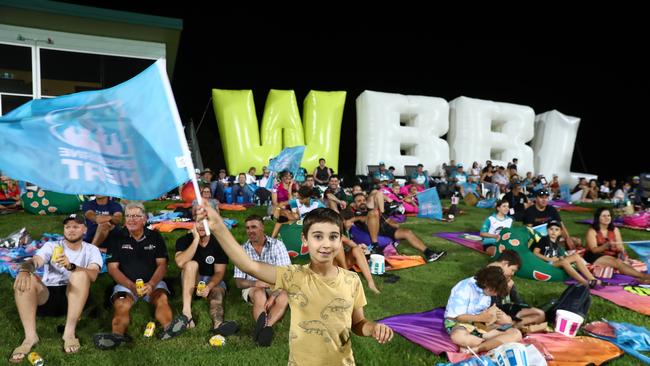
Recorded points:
576,299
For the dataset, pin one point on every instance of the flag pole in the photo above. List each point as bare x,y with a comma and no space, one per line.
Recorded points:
187,158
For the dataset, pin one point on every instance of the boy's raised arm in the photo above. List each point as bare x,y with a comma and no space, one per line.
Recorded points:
235,252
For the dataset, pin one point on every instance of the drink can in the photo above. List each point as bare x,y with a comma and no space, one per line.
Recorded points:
139,286
57,253
218,341
150,329
200,287
35,359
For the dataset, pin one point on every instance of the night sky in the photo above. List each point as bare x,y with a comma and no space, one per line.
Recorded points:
594,76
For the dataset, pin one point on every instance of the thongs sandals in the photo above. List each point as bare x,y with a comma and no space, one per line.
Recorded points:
71,345
229,327
20,352
106,341
175,328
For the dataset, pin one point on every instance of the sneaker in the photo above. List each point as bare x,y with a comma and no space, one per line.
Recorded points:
435,256
266,218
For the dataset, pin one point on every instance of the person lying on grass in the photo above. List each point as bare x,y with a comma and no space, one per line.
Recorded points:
470,319
63,289
549,250
326,301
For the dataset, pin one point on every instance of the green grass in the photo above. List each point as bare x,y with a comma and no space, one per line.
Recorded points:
419,289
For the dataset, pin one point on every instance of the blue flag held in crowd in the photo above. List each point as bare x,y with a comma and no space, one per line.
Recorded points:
288,159
430,206
126,141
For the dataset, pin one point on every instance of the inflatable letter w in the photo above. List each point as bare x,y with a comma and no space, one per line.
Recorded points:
281,127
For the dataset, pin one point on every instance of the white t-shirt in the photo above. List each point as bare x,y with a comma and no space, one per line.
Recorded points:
59,276
251,179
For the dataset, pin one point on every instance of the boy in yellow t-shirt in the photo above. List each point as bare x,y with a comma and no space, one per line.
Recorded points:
326,301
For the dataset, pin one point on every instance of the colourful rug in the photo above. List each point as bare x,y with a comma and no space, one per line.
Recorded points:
561,350
622,297
565,206
470,240
425,329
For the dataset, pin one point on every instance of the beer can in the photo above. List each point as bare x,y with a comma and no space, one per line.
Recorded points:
218,341
150,329
139,286
57,253
35,359
200,287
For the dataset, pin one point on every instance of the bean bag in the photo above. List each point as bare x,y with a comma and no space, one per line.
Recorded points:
520,239
291,237
44,202
361,237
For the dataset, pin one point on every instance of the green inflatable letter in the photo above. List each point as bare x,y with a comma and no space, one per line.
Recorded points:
281,127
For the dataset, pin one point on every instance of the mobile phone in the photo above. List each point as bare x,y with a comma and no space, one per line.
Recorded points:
504,327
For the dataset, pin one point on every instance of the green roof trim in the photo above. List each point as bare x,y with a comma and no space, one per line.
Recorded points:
81,11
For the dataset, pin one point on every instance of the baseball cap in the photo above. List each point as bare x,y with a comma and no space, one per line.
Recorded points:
78,218
553,223
197,171
381,163
542,192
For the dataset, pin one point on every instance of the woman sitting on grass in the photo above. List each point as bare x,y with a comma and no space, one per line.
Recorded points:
549,250
605,246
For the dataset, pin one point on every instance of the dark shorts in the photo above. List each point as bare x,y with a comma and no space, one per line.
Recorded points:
512,309
387,230
57,302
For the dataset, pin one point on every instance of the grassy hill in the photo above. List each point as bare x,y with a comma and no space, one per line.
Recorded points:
419,289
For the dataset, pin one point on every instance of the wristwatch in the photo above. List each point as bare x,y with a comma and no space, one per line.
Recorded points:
71,267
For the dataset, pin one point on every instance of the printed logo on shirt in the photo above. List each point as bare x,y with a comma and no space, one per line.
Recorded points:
209,259
150,247
127,246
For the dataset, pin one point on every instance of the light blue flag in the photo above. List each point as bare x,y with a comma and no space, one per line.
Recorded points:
430,206
288,159
642,248
126,141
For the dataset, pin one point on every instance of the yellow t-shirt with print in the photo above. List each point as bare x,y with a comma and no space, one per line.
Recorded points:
321,314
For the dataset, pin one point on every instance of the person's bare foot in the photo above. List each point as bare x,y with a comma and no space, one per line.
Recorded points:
374,288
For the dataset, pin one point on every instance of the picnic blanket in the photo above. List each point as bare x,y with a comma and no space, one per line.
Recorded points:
427,330
222,206
620,296
630,338
171,225
471,240
561,205
620,290
11,259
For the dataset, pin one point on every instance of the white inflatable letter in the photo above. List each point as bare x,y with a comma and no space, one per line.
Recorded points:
480,130
401,130
555,137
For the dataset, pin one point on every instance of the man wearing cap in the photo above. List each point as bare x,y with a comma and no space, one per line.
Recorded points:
103,216
206,177
382,176
420,177
541,213
62,290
